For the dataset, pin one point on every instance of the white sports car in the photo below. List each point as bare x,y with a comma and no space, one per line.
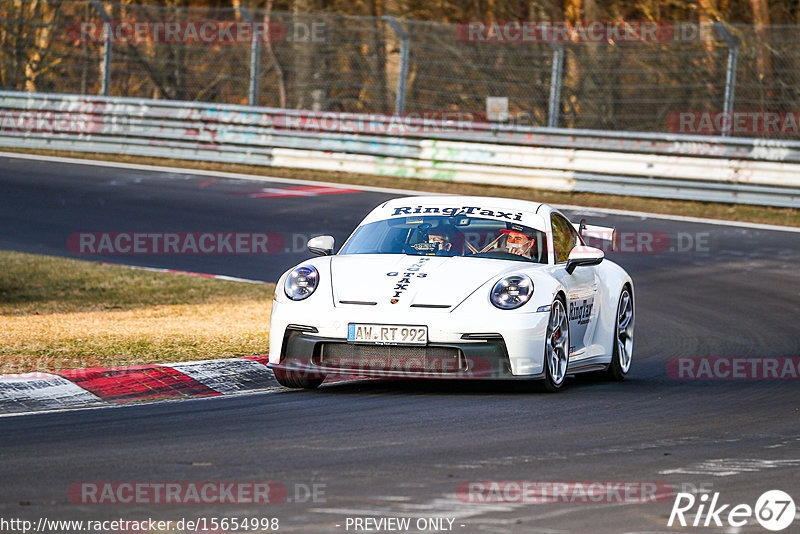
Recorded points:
455,287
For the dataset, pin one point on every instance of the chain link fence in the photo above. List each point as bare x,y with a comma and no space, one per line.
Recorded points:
714,79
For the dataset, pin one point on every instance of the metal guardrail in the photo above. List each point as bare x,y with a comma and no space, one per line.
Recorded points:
748,171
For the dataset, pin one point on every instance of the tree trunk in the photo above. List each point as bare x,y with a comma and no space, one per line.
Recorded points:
281,82
303,56
379,45
762,48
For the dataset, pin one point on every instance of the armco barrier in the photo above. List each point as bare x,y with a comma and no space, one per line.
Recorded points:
748,171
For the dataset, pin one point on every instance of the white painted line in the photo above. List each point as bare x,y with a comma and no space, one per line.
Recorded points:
200,172
103,405
190,273
410,192
682,218
725,467
41,391
133,405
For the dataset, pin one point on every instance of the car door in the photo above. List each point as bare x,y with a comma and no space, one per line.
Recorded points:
581,286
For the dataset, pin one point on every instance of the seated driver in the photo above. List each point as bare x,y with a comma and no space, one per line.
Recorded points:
518,242
442,238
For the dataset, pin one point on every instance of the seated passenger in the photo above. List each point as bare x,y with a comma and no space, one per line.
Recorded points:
518,242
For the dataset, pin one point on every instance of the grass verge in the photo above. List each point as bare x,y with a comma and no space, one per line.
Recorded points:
58,313
711,210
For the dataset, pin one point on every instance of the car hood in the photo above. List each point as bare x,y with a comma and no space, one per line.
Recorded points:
432,282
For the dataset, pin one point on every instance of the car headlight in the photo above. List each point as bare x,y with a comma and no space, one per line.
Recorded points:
512,291
301,282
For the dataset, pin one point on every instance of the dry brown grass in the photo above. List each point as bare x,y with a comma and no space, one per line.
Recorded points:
58,313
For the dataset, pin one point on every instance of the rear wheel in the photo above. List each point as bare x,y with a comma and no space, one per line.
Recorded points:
623,338
556,347
297,379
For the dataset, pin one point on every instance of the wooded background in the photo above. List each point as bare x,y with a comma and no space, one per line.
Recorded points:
356,64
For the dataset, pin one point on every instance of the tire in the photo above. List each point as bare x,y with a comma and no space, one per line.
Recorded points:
556,348
622,352
296,379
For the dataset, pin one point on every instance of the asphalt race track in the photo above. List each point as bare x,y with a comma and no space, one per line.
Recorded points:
402,448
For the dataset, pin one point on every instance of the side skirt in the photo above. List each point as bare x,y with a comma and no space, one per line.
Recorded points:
588,366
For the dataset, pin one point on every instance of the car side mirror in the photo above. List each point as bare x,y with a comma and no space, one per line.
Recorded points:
321,245
582,255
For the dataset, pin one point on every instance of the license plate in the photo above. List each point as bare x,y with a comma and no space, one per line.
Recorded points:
387,334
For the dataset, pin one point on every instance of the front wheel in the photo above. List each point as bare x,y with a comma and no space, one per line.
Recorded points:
556,347
623,338
297,379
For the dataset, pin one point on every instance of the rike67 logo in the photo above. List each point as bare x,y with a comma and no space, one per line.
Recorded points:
774,510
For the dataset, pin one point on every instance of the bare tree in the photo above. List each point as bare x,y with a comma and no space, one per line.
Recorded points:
761,20
303,55
276,66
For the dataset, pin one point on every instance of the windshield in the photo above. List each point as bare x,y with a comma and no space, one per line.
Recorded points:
450,236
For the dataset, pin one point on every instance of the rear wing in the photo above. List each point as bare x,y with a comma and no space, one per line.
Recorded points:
592,232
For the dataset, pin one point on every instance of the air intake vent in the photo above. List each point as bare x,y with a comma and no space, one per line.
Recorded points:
350,357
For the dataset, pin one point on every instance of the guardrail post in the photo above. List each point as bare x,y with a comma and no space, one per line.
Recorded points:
107,44
556,74
255,60
730,77
402,75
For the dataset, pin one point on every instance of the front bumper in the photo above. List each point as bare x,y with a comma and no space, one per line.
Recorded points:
317,356
522,335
